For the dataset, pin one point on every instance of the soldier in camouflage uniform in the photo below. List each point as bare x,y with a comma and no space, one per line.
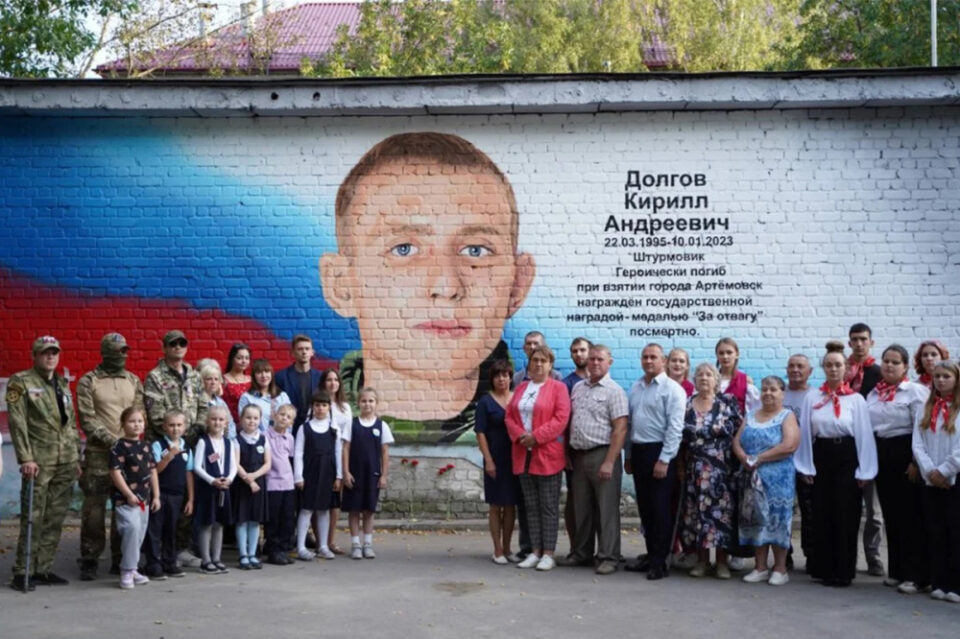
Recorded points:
174,385
102,394
44,433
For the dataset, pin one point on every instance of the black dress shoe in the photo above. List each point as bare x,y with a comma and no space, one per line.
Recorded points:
17,584
574,561
88,571
657,572
50,579
640,564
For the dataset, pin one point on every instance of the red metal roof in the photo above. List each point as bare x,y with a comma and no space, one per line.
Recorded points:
306,30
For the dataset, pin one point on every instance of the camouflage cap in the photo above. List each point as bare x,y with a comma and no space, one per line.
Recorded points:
45,343
173,335
113,343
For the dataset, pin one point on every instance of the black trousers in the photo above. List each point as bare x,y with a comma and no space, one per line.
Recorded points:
654,497
941,510
281,520
901,503
837,505
161,542
805,502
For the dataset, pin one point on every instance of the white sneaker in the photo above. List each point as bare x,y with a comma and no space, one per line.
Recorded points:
546,563
188,560
326,553
908,588
890,582
356,552
952,597
500,560
126,579
140,580
736,563
938,594
756,576
530,561
778,578
368,552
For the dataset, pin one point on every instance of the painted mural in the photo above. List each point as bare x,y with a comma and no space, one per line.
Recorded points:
416,251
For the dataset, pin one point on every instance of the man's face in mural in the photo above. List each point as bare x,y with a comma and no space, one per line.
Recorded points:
428,267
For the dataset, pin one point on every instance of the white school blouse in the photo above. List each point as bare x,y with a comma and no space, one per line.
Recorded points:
319,427
897,417
854,421
200,456
937,451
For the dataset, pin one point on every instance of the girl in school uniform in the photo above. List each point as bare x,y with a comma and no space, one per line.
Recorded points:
263,393
928,355
838,456
215,465
317,473
367,459
733,381
342,416
249,495
936,447
895,405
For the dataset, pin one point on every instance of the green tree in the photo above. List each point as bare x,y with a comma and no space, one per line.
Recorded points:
40,38
722,35
873,33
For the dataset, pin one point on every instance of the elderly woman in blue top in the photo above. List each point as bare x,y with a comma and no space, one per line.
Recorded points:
765,445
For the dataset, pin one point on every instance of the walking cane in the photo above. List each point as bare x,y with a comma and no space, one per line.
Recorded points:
676,520
26,571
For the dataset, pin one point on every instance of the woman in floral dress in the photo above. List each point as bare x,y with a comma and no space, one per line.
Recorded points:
708,506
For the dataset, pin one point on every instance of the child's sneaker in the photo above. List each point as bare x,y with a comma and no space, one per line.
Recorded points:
326,553
368,552
126,579
356,552
140,580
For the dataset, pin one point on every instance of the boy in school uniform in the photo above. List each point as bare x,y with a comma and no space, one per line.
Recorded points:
174,461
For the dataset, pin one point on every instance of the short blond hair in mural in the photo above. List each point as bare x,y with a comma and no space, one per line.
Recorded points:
427,264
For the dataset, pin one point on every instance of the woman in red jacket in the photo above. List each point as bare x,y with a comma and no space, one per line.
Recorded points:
536,419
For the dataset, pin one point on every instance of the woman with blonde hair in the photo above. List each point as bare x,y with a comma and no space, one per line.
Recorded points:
936,447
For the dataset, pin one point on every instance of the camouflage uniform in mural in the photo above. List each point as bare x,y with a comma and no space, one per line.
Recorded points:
165,389
44,432
102,394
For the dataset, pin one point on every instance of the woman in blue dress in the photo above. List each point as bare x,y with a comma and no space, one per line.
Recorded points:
500,485
765,445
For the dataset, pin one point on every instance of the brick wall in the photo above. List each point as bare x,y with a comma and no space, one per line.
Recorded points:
798,223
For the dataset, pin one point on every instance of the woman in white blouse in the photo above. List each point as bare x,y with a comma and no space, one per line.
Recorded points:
838,456
936,447
895,405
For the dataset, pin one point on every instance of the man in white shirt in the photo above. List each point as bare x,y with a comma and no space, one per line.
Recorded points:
657,404
798,373
598,428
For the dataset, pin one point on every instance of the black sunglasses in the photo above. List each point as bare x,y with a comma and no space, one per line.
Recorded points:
178,342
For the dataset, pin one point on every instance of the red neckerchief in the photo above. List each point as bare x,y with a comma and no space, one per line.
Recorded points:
888,391
834,395
939,406
926,380
854,376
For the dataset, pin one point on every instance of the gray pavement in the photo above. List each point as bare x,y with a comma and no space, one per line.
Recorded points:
441,583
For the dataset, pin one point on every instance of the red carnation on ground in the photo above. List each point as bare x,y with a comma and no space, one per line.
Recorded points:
415,463
404,461
449,467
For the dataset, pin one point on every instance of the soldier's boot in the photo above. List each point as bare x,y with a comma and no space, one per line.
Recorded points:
88,570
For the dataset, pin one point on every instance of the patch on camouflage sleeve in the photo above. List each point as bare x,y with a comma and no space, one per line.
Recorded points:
14,393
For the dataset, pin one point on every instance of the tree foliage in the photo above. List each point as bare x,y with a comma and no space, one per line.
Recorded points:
40,38
423,37
873,33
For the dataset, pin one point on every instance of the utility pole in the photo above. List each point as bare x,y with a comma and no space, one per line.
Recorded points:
933,33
